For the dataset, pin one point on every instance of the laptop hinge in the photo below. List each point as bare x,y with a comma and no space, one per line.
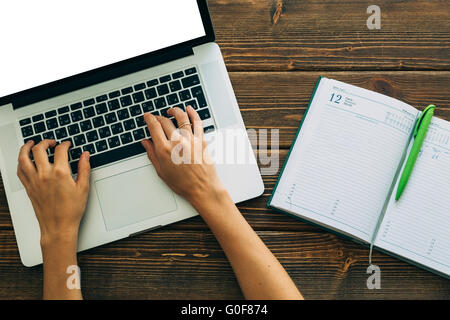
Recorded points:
93,77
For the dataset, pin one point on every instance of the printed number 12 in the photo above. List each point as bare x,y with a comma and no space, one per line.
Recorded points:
336,98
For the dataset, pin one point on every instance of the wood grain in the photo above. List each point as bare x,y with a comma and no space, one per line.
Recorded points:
287,35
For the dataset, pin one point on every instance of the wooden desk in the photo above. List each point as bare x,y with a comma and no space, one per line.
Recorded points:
275,50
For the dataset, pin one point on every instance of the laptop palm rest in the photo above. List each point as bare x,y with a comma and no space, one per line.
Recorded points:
132,197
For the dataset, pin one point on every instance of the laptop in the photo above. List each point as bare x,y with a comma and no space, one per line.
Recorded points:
87,71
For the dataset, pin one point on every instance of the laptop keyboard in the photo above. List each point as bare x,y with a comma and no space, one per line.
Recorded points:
111,126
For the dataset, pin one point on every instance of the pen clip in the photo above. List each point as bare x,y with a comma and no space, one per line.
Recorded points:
419,122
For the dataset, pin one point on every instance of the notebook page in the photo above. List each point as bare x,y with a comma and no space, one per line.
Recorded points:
417,227
345,157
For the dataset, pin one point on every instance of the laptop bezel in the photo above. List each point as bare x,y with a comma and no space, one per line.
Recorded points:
115,70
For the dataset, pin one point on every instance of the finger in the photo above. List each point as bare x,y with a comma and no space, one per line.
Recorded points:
40,154
156,131
169,128
84,171
196,122
25,165
148,146
181,117
62,154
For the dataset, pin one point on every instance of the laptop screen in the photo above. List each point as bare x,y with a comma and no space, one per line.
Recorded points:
47,40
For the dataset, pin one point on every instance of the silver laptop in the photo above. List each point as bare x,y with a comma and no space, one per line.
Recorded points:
87,71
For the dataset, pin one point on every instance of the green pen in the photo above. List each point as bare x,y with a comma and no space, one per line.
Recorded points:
420,132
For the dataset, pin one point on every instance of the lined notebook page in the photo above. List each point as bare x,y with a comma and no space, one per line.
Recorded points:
345,157
417,226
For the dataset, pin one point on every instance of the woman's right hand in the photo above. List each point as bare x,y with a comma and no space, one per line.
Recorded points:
180,157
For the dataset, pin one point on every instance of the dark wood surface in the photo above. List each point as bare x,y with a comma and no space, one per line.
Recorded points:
275,50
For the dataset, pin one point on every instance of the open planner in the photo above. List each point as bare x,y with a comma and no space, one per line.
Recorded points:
343,169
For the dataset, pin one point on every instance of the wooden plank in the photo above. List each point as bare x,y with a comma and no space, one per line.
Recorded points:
284,35
191,265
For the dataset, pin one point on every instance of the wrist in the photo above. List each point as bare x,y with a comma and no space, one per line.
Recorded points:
66,240
209,202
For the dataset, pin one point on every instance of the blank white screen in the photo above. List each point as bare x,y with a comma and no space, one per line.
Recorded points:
47,40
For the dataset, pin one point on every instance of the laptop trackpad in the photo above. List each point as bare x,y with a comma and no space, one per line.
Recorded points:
133,196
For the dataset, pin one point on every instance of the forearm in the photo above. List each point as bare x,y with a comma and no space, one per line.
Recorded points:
58,256
259,273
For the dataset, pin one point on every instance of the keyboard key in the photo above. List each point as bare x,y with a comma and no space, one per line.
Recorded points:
209,129
192,103
202,101
101,108
89,112
92,136
48,135
98,122
163,89
111,118
160,103
111,156
127,90
38,117
150,93
86,125
104,132
135,110
75,153
138,97
101,146
140,121
63,110
24,122
126,138
117,128
164,112
50,114
113,105
36,139
152,83
89,148
52,123
61,133
64,120
190,81
185,95
51,159
148,106
172,99
76,116
175,86
113,142
129,124
190,71
139,87
138,134
204,114
156,113
79,140
178,75
147,133
114,94
165,79
126,101
39,127
27,131
197,91
123,114
73,129
101,98
76,106
89,102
